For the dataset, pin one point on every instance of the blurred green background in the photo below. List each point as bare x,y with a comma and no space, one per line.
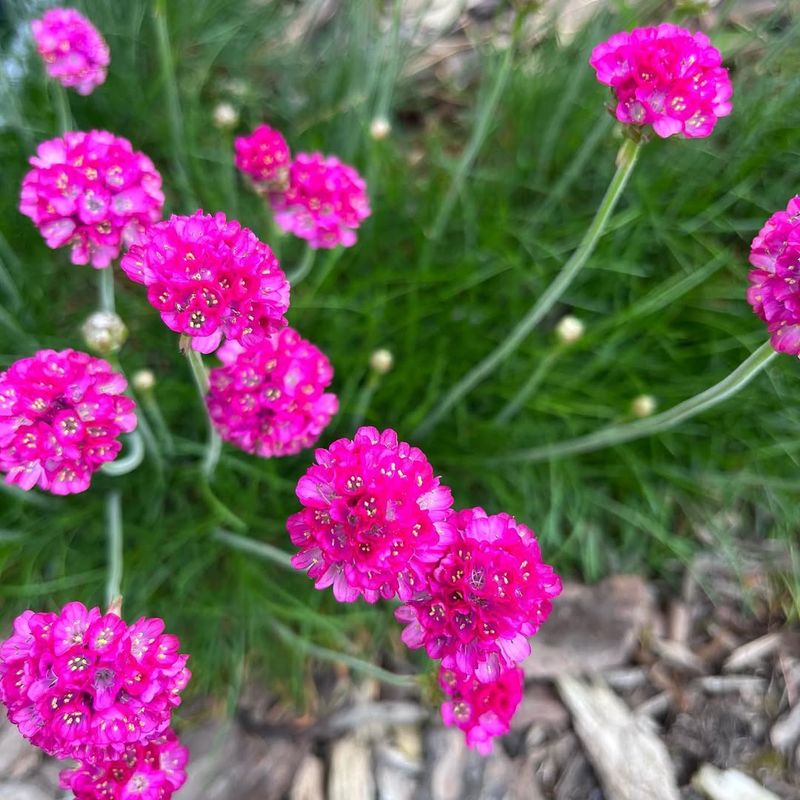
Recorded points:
495,163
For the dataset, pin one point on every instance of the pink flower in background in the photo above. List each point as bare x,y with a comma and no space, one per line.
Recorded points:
61,414
141,772
73,51
666,77
481,710
375,519
270,399
774,292
93,192
264,156
210,277
80,684
487,595
325,201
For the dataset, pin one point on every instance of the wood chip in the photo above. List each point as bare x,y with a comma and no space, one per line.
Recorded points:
18,757
751,653
351,771
746,685
679,656
630,760
729,784
309,780
786,731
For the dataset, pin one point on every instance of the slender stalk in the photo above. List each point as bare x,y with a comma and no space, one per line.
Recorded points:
260,549
131,460
513,406
63,113
199,372
214,445
114,537
617,434
364,399
626,160
151,406
106,289
303,268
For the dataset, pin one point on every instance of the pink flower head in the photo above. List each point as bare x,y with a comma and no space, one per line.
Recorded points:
270,399
667,77
80,684
375,519
485,597
481,710
73,51
264,156
61,414
153,771
774,292
210,277
324,202
93,192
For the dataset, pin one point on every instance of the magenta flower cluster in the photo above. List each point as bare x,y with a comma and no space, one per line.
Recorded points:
270,399
265,157
61,415
73,51
377,523
81,684
93,192
666,77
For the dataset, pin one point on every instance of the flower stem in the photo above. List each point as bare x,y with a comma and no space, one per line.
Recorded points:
131,460
617,434
114,537
261,549
514,405
626,160
65,120
364,399
214,444
199,372
106,289
304,267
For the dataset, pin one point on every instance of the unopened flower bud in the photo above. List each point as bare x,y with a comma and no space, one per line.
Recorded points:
104,332
380,128
143,380
225,116
644,405
381,361
569,329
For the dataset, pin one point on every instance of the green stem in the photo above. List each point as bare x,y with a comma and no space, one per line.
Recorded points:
114,536
214,445
617,434
199,372
626,160
261,549
364,398
106,289
304,267
63,113
513,406
153,409
131,460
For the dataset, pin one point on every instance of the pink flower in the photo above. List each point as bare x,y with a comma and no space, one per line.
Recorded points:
488,594
270,399
324,202
80,684
375,519
93,192
481,710
61,414
140,772
774,292
210,277
667,77
264,156
73,51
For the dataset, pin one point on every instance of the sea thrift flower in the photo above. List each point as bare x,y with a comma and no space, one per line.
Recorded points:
264,156
666,77
141,772
210,277
324,202
93,192
61,414
485,597
481,710
375,519
82,684
774,293
73,51
270,399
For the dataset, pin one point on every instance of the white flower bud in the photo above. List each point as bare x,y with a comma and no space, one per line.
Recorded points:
143,380
381,361
569,329
644,405
380,129
104,332
225,116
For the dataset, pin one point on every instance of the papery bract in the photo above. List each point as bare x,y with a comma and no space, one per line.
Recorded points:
375,519
210,277
482,710
666,77
324,202
61,415
73,51
264,156
487,595
270,399
82,684
93,192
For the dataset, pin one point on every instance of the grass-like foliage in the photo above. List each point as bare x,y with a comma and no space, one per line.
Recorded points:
483,189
